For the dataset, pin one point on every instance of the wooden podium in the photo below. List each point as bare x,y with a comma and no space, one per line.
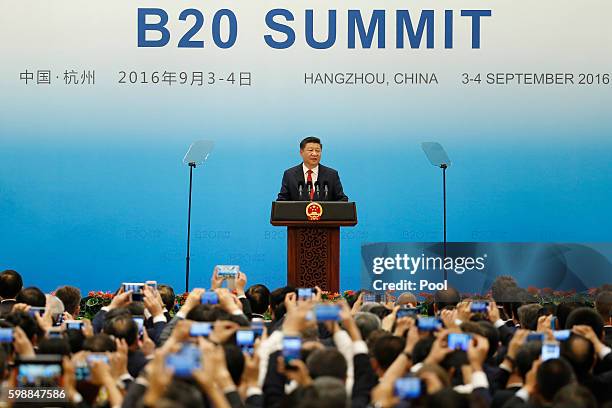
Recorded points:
313,240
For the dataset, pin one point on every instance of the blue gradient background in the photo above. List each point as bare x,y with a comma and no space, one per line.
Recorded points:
93,191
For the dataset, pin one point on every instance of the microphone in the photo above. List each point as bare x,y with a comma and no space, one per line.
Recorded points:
317,190
309,189
300,189
325,189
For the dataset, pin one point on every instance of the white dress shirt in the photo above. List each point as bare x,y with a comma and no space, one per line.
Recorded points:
314,176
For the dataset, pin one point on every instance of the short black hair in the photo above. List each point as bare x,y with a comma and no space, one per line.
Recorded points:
603,304
234,359
70,297
327,362
553,375
10,284
54,346
99,343
575,395
310,139
259,298
586,316
563,311
447,297
580,353
386,349
207,313
526,355
168,297
122,327
31,296
277,301
27,323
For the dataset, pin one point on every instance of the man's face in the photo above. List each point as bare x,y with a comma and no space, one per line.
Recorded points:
311,154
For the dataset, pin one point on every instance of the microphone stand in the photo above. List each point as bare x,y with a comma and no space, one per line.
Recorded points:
444,166
192,165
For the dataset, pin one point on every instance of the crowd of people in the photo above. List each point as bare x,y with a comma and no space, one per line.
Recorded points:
252,347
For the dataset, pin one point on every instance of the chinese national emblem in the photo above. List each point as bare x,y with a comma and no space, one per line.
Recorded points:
314,211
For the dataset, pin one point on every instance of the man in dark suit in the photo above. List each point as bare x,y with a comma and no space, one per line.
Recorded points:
10,286
311,181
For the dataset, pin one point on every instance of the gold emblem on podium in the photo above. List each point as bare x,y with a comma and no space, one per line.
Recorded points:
314,211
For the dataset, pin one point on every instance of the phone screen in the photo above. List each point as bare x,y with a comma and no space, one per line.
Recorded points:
429,323
209,298
292,348
140,323
6,335
304,293
200,329
227,271
407,311
550,350
39,374
185,361
74,325
245,340
479,307
137,290
324,312
459,341
408,388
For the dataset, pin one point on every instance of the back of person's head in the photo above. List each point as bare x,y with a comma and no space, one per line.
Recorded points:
528,316
122,327
452,363
448,398
586,316
500,286
526,355
26,322
386,349
277,301
603,304
168,296
574,396
183,394
436,370
552,375
235,361
563,311
10,284
331,392
421,349
580,353
118,312
446,298
380,311
207,313
75,339
407,298
492,334
259,298
99,343
54,346
327,362
31,296
71,298
136,308
367,323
